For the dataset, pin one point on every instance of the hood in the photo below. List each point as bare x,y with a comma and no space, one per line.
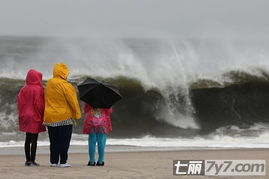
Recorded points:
34,78
60,70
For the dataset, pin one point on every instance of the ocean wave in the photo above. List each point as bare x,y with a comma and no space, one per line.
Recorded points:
212,141
146,112
169,87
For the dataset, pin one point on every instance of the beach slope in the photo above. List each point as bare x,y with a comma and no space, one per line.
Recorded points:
155,164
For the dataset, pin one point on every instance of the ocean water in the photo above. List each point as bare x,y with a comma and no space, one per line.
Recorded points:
176,93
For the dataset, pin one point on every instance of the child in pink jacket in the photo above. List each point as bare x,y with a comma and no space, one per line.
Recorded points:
97,124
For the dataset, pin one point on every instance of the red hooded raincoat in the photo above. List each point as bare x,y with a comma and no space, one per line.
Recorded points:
31,104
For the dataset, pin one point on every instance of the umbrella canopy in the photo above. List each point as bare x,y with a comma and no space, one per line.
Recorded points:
98,94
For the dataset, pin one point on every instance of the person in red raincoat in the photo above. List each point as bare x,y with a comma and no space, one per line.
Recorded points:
97,125
31,110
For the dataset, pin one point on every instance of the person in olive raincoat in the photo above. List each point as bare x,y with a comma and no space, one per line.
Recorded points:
61,107
30,102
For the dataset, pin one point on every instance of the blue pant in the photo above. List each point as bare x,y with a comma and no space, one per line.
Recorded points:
100,139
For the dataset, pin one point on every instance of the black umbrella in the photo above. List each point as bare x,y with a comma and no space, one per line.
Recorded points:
98,94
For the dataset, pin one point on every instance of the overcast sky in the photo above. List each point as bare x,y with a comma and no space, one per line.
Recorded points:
135,18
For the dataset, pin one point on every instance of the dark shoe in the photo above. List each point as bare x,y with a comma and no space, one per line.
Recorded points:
100,164
91,164
28,163
35,164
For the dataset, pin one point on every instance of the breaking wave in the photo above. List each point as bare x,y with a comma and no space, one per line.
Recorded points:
185,89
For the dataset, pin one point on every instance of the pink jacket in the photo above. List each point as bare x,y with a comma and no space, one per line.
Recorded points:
31,104
97,120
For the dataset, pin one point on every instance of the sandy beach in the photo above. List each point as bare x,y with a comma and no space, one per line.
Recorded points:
142,164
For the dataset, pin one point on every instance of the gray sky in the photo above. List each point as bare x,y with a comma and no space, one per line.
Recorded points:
135,18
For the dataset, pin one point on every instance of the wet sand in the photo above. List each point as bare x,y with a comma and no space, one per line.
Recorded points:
142,164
